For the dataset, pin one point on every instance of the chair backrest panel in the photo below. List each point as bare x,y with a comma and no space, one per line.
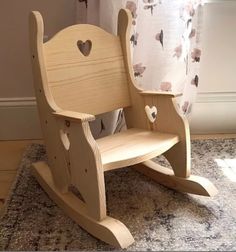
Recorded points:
92,83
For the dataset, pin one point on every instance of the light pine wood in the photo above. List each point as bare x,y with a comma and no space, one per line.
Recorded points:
153,92
170,121
168,118
108,230
86,169
11,153
73,84
74,116
101,76
133,146
46,105
135,115
165,176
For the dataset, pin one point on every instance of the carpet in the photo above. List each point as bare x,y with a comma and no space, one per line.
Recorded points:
158,218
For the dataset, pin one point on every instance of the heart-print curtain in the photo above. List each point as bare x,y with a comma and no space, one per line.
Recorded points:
165,41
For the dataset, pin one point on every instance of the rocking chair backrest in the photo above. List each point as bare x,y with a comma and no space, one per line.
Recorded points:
85,70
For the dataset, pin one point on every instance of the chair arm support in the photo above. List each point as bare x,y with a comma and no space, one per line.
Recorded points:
169,119
156,93
74,116
84,158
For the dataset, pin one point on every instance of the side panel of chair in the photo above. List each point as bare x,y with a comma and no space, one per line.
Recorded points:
55,150
85,70
169,119
86,169
135,115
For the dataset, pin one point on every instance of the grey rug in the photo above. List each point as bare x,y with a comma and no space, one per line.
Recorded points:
158,218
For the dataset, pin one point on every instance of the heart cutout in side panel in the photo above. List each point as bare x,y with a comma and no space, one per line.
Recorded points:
85,47
64,139
151,113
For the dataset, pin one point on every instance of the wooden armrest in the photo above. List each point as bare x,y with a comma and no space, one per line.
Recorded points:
156,93
74,116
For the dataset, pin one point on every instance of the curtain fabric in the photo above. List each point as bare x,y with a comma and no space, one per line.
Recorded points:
165,42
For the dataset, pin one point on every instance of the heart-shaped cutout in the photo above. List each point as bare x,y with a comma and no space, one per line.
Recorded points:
65,139
151,113
85,47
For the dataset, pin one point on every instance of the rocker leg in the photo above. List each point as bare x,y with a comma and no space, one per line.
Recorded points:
179,157
109,230
192,184
169,120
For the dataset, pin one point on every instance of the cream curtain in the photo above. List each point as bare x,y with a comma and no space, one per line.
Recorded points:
165,41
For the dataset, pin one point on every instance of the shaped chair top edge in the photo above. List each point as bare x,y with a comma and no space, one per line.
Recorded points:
37,17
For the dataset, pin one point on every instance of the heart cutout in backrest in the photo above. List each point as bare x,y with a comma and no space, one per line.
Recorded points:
85,47
151,113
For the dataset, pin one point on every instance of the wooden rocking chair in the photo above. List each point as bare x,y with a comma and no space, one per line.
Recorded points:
84,71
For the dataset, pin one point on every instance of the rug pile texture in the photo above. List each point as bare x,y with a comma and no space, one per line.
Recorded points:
158,218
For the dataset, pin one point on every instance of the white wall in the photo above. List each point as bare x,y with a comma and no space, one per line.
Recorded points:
18,112
215,108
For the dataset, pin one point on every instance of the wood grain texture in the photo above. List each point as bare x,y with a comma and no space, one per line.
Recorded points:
86,169
169,119
133,146
86,80
74,116
135,115
46,105
192,184
156,93
81,72
108,230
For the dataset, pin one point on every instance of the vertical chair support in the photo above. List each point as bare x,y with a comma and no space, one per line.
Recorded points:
46,105
87,175
86,171
179,155
170,121
134,115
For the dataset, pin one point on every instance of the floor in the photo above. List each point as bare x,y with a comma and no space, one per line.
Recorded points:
11,152
10,156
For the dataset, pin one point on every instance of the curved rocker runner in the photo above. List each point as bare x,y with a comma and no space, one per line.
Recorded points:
84,71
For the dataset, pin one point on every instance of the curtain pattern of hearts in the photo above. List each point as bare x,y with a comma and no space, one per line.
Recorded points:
165,41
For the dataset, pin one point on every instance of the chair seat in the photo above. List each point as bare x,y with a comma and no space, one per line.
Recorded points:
133,146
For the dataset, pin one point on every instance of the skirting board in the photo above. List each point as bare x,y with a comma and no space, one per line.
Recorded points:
19,119
214,113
